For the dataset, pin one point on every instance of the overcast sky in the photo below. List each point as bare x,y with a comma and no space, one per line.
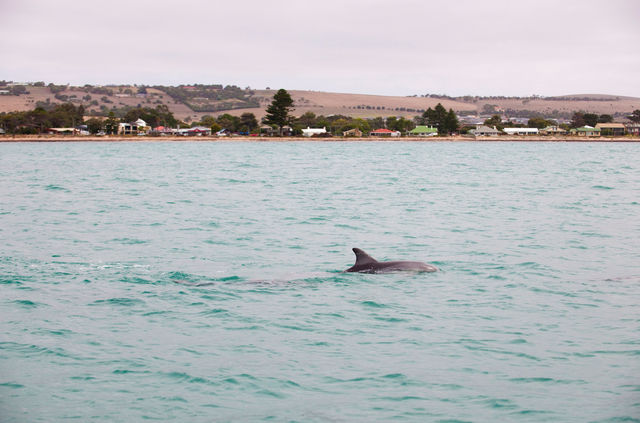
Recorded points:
393,47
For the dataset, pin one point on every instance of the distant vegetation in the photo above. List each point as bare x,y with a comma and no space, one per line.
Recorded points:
98,90
159,115
475,98
211,98
397,109
39,119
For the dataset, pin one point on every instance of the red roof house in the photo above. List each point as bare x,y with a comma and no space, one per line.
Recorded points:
383,132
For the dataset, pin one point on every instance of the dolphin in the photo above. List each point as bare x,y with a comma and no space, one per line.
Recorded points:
367,264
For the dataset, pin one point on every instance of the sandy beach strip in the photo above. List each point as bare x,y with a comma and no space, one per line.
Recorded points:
71,138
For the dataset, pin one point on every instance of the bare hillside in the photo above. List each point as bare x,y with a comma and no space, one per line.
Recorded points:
100,100
367,106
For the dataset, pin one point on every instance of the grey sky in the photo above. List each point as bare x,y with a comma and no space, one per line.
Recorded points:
400,47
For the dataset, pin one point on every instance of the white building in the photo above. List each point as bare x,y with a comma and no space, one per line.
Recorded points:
137,127
521,131
309,132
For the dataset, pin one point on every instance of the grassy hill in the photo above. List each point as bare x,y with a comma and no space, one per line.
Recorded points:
195,101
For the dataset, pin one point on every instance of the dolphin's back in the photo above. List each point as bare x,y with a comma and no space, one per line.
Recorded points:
406,266
367,264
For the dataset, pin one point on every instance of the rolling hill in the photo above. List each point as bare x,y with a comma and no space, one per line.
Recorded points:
191,102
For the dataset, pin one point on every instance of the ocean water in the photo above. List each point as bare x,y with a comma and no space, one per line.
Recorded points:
200,282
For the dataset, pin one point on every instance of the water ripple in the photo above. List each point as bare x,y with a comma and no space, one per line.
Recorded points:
190,281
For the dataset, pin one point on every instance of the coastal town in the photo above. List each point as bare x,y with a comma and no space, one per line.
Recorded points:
141,128
77,116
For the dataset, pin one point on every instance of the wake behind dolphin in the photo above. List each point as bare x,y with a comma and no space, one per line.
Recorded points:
367,264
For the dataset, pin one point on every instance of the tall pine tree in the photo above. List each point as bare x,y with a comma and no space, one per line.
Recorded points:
437,118
451,122
278,113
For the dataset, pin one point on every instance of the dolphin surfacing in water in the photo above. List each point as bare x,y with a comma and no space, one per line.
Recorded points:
367,264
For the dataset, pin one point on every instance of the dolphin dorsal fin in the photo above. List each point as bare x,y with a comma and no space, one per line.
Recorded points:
363,258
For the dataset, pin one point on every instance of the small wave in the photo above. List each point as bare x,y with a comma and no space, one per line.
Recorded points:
595,235
601,187
173,399
215,242
551,291
56,332
229,279
581,305
295,327
331,379
338,315
126,302
617,352
547,380
231,381
349,227
373,304
157,313
52,187
13,280
394,376
314,221
187,378
503,352
252,327
404,398
82,378
179,275
214,312
11,385
128,241
500,403
27,303
187,279
207,282
135,280
531,412
33,350
391,319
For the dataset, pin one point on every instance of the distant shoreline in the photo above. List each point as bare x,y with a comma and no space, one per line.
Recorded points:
70,138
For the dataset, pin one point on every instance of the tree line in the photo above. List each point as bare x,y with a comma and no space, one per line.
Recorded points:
579,119
39,120
67,115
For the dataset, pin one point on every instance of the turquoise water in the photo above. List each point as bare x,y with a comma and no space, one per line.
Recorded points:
202,282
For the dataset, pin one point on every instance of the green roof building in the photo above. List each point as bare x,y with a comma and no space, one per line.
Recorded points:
586,131
423,131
